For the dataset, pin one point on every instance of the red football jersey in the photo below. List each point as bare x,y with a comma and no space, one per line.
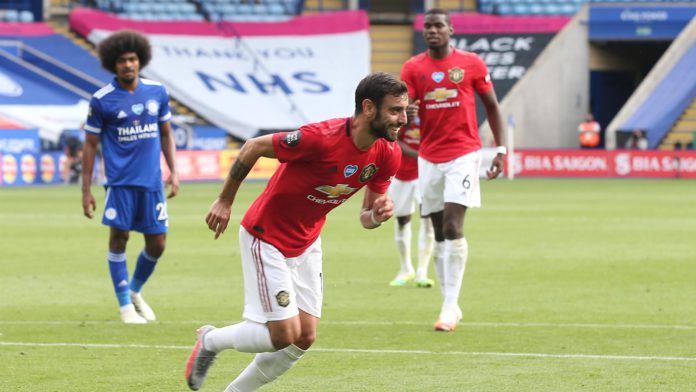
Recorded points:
447,110
408,171
320,169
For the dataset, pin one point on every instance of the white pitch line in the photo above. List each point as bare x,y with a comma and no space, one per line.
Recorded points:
471,324
380,351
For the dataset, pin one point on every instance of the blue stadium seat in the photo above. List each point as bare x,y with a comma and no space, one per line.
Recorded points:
259,9
26,16
551,9
244,9
12,15
276,9
503,9
520,9
486,8
186,8
568,9
536,9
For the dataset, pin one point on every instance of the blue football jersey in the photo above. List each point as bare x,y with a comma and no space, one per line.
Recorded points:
128,125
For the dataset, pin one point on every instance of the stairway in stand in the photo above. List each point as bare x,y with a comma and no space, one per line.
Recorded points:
455,5
683,130
392,45
316,6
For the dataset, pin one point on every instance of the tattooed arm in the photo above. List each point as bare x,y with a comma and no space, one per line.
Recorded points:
219,213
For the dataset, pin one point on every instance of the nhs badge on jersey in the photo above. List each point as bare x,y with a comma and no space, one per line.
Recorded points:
350,170
138,108
152,107
438,76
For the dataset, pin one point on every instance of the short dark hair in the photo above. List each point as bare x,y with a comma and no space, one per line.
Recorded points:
375,87
120,42
440,11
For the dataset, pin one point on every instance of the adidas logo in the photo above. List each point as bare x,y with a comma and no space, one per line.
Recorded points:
122,283
122,114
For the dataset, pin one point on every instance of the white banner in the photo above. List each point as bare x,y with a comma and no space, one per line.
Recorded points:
50,120
258,82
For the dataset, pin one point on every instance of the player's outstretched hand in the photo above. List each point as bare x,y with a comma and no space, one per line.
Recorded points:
173,184
218,217
88,204
496,167
383,208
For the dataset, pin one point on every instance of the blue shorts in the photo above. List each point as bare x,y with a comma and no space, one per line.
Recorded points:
127,209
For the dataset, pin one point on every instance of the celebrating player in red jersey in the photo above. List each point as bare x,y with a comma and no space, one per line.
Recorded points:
441,83
323,164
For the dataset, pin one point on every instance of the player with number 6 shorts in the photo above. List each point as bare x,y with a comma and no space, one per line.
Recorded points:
443,83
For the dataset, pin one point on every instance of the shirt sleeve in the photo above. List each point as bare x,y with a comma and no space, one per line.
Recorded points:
482,79
95,119
303,144
165,113
407,77
380,183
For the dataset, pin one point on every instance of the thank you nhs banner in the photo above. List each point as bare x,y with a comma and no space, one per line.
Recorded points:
246,77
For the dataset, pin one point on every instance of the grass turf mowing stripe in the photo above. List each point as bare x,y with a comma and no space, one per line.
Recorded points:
380,351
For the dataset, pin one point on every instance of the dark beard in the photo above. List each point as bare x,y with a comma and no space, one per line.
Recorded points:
379,130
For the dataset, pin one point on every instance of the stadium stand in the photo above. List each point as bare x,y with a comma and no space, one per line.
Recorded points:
259,11
199,10
550,7
664,95
16,11
683,130
56,52
315,6
392,45
456,5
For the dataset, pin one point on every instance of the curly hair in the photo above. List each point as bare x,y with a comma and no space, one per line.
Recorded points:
120,42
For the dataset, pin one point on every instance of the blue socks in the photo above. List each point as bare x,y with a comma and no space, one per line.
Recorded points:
119,274
119,277
143,269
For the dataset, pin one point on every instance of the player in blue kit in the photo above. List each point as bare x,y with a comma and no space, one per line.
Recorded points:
130,117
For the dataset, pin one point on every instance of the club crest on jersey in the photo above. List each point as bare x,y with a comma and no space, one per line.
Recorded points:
335,191
283,298
438,76
350,170
152,107
368,172
291,139
138,108
455,75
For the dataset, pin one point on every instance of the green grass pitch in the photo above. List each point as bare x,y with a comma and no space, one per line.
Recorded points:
571,285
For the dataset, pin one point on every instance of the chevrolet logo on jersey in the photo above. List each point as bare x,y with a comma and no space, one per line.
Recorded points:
335,191
441,94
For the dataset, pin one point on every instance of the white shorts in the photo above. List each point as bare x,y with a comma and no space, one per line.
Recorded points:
405,196
456,181
275,286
